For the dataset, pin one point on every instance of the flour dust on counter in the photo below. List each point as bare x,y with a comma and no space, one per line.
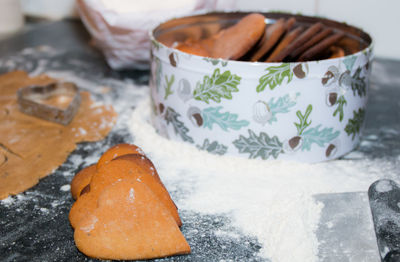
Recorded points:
232,209
271,201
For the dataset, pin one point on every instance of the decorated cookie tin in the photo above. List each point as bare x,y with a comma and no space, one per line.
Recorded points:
302,111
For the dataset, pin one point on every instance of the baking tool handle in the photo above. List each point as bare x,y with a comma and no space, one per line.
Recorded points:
384,200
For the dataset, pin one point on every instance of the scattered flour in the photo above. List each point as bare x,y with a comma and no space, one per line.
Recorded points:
270,200
7,201
65,188
44,210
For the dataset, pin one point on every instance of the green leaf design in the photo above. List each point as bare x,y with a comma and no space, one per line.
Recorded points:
319,137
341,102
349,62
217,86
275,76
358,84
211,115
215,61
158,74
171,116
213,148
281,105
353,127
167,87
261,146
303,120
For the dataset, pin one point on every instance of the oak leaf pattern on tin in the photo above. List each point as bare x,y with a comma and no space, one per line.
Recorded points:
171,117
217,86
304,123
275,76
353,127
358,84
216,61
319,137
213,147
225,121
312,135
261,146
340,103
281,105
167,87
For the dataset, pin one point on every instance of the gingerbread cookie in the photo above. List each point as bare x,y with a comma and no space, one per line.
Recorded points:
81,180
129,222
136,167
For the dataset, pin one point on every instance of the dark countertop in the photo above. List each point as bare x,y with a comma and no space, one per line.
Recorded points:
34,226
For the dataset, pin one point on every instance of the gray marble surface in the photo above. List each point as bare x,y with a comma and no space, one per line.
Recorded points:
34,225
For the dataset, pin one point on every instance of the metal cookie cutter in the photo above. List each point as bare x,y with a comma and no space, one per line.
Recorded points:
57,102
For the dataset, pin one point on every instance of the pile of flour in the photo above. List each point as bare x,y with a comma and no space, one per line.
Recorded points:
269,200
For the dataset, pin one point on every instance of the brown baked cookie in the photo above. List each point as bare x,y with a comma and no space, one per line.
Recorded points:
299,41
110,173
118,150
129,222
270,38
336,51
193,47
321,46
237,40
289,38
81,180
311,42
145,162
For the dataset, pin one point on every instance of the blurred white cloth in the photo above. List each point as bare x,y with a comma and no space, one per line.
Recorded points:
11,18
121,28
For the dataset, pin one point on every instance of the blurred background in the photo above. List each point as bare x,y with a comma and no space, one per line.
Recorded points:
379,18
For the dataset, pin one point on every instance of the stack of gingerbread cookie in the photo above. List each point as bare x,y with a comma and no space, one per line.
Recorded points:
284,40
123,210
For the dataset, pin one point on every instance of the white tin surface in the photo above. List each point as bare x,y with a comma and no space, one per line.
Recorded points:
309,111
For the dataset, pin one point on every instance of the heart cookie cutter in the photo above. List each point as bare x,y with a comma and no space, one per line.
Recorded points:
33,100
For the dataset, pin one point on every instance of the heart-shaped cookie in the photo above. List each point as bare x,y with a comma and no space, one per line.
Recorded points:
82,179
118,150
130,167
129,222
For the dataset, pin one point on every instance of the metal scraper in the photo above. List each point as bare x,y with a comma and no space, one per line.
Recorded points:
346,232
384,199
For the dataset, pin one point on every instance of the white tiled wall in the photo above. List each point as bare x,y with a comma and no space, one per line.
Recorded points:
379,18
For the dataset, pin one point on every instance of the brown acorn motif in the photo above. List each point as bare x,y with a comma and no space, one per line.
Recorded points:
293,144
301,70
331,76
173,59
331,98
330,151
332,148
194,114
161,108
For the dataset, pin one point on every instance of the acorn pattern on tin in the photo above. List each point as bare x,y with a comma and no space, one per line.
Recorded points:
311,110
